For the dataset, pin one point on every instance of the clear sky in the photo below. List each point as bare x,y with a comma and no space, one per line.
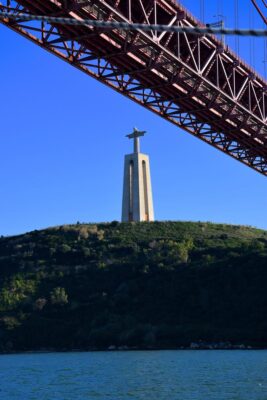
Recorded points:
62,146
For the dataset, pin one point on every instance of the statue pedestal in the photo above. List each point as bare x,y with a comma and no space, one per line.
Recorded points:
137,204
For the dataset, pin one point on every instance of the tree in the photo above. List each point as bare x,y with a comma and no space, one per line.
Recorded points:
40,304
58,296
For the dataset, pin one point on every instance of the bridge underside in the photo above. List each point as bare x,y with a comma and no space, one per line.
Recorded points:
192,81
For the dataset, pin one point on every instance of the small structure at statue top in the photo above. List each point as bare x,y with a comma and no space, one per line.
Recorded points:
137,204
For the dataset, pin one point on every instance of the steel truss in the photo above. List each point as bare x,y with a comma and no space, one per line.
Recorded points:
192,81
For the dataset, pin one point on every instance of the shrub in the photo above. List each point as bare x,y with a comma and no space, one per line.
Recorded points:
58,296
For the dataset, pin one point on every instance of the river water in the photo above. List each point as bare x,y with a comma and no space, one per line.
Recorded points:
136,375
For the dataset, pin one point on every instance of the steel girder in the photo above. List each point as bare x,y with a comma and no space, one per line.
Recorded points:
192,81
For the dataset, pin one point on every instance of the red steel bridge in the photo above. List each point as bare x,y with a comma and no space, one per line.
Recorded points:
193,81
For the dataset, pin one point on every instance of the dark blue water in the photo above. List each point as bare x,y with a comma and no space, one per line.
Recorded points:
162,375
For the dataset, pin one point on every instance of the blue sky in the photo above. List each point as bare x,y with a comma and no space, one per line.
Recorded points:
62,145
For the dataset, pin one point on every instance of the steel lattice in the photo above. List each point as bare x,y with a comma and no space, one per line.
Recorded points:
192,81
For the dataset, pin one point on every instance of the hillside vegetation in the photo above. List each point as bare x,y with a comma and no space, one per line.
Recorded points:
140,285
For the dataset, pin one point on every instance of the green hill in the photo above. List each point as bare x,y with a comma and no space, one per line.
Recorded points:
140,285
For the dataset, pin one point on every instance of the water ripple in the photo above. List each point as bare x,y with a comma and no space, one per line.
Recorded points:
153,375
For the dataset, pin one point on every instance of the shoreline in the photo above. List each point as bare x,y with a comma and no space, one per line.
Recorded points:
132,349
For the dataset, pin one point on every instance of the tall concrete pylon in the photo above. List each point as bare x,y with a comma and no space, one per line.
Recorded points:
137,203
